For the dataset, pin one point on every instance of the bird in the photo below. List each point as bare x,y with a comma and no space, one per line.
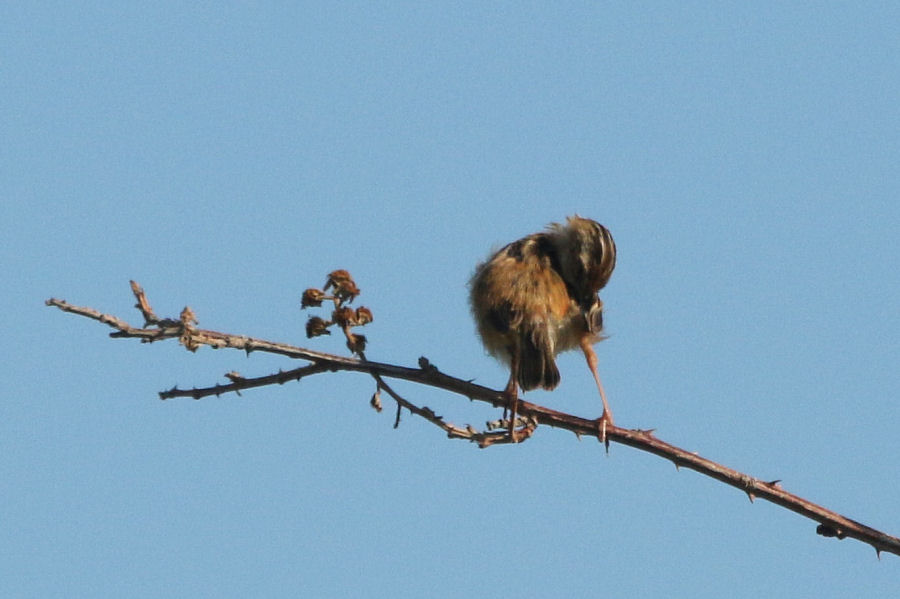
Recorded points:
537,297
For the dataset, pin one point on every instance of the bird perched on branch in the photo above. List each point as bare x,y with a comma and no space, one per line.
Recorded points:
537,297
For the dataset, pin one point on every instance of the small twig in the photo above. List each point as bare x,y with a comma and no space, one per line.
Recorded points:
239,383
143,304
483,439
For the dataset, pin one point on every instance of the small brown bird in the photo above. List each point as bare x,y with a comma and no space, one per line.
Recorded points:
537,297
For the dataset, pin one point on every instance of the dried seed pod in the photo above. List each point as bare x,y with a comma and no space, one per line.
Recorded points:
356,343
344,317
312,297
363,316
345,288
315,326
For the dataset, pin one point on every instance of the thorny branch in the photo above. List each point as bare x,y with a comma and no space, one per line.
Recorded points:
831,524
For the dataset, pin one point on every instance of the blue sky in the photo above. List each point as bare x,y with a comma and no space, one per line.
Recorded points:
229,156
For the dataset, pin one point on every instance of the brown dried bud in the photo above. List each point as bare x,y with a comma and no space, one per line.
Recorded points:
363,316
426,365
829,531
345,288
188,317
344,317
312,297
356,343
315,326
375,402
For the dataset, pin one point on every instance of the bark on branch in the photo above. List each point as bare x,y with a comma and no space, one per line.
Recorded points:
831,524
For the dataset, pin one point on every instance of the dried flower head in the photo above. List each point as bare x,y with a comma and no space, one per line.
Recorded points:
315,326
345,288
344,317
356,343
312,297
363,316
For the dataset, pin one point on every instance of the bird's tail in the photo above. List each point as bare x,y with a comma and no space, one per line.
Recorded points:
537,366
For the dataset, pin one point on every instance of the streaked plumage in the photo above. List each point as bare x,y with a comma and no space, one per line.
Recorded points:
537,297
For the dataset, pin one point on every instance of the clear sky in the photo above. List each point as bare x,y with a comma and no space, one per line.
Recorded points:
227,156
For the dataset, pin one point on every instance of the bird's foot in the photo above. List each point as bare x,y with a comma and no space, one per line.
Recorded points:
521,434
603,424
521,429
511,409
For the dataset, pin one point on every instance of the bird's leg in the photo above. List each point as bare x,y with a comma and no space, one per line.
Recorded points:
512,394
588,348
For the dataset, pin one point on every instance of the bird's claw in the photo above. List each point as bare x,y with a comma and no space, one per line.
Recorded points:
603,424
517,435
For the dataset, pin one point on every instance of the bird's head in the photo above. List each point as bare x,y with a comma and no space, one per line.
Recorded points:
587,253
